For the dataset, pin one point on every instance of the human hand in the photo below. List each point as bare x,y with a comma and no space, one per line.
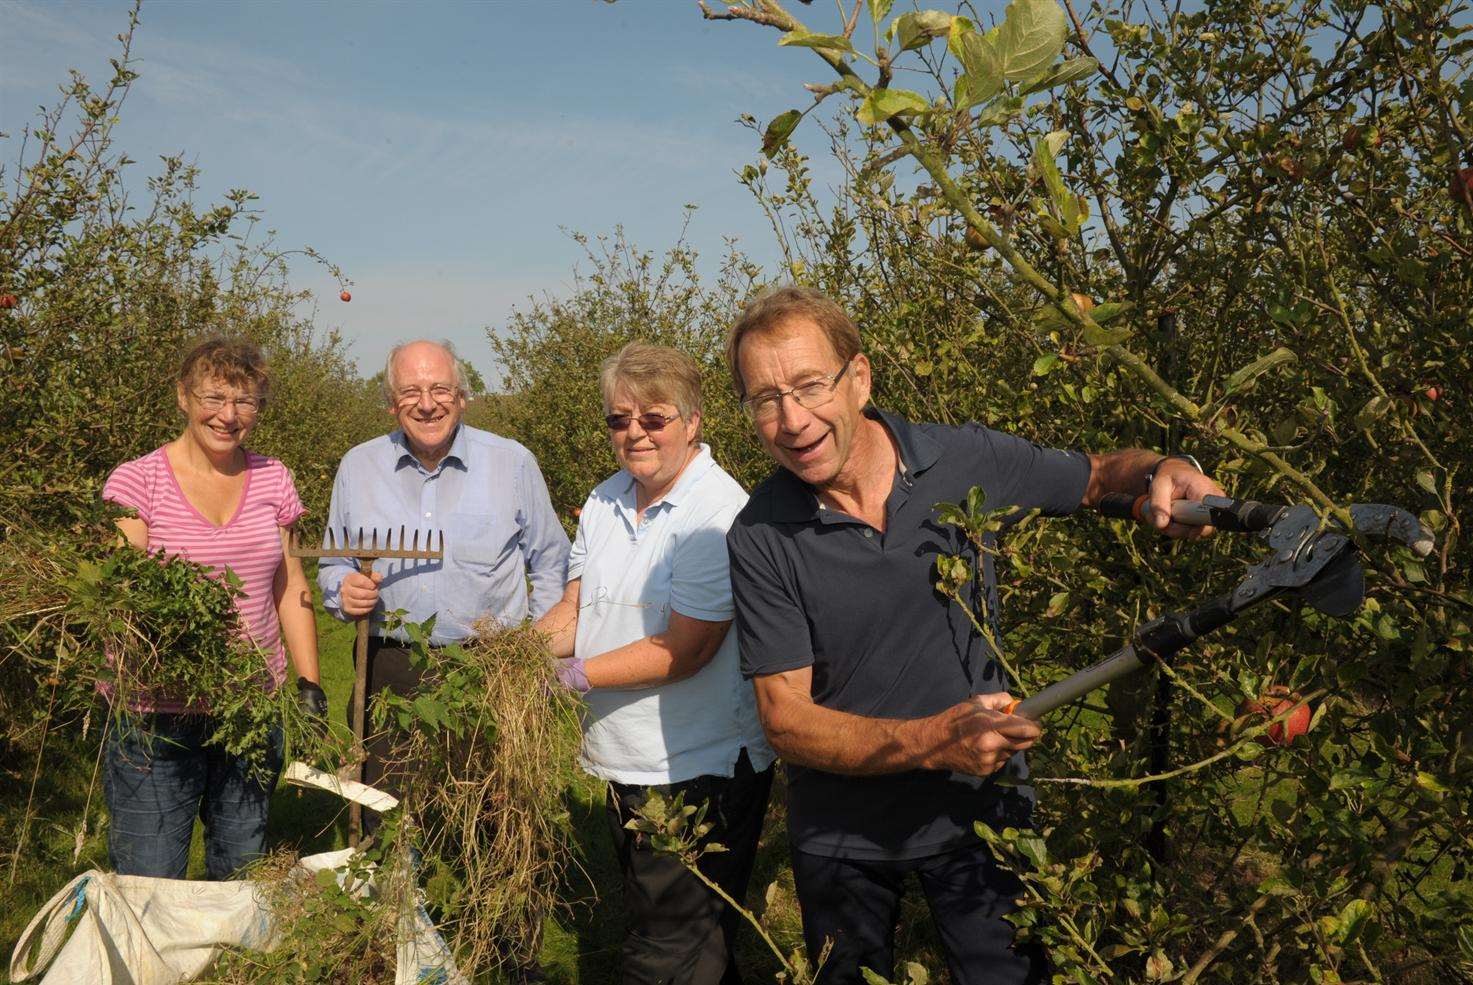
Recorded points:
312,698
571,675
1176,478
978,736
359,593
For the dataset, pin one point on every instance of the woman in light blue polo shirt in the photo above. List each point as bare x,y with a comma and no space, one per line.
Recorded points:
643,630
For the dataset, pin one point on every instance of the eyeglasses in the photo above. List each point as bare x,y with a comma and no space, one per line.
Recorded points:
215,402
439,393
647,422
815,393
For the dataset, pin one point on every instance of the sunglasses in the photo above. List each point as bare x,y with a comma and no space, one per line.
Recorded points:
647,422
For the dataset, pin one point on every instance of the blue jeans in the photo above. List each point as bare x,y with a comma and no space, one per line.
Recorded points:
159,774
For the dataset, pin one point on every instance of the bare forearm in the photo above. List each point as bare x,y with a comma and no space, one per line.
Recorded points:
1121,471
649,662
560,625
299,629
976,735
840,742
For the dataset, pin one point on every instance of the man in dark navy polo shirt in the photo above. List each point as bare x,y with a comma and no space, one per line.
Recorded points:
886,704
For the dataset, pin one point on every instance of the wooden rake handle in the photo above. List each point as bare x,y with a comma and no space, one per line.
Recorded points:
360,703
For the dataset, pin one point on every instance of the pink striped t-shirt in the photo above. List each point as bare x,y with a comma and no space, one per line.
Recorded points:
249,544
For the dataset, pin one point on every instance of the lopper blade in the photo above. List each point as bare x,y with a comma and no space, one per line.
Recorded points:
1339,589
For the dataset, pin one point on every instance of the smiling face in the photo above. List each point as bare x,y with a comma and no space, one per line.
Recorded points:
217,415
654,458
815,444
428,424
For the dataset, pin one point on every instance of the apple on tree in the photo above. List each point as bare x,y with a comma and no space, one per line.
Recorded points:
1274,703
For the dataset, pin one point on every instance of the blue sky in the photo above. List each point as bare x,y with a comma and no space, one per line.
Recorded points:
435,151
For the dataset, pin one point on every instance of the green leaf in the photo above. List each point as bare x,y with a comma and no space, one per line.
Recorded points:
826,42
1430,783
1373,411
1425,480
1044,363
881,104
1105,336
960,28
879,9
1353,918
1277,886
1063,73
982,68
916,30
1245,376
872,978
1044,152
1031,38
779,130
998,111
1158,966
1107,310
917,973
428,710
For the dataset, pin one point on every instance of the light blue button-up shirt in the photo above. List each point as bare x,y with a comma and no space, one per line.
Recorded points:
502,536
634,574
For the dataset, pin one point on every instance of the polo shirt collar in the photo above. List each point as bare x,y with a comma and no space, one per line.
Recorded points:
794,501
699,466
400,454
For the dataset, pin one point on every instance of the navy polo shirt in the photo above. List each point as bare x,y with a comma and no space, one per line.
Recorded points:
817,587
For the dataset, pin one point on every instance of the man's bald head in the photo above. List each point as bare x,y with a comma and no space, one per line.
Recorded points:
417,351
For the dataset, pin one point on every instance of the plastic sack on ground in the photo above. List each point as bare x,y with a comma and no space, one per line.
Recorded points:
108,929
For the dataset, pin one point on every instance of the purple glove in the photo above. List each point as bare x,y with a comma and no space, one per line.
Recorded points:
570,674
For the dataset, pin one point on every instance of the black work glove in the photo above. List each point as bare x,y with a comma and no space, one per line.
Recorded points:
312,698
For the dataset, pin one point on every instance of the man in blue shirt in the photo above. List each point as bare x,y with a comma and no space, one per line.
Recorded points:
887,705
484,492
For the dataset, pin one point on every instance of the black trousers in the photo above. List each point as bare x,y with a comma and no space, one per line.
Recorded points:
856,904
388,669
680,932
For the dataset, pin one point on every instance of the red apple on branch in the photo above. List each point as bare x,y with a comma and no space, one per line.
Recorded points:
346,296
1274,703
1460,187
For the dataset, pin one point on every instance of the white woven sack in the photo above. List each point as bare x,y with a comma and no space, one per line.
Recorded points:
139,930
136,930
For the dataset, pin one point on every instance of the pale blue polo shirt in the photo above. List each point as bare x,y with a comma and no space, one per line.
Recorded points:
633,575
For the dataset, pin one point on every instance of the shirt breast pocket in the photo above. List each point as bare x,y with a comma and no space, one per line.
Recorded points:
481,540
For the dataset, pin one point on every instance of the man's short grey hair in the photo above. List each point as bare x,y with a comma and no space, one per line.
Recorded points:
391,385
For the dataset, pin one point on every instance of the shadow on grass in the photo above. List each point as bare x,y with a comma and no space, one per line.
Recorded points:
36,868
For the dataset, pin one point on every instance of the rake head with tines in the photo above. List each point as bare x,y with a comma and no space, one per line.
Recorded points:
367,551
366,546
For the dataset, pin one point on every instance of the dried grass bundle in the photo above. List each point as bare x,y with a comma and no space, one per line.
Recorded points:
495,833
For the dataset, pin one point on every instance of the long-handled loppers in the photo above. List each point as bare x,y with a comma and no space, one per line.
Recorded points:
1312,559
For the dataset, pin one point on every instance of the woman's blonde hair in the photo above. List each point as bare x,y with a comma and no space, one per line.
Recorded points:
652,374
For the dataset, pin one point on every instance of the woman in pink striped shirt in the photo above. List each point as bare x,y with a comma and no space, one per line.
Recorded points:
204,497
